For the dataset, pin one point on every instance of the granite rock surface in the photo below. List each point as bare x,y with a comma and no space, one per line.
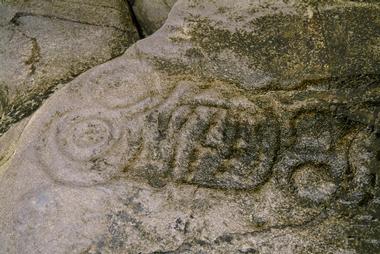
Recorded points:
239,127
45,44
151,14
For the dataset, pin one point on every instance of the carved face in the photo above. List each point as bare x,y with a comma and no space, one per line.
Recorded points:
282,164
209,138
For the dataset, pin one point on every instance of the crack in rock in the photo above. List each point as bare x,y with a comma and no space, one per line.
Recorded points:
18,15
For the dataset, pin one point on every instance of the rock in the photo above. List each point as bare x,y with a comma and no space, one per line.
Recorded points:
296,43
239,127
52,42
151,14
8,142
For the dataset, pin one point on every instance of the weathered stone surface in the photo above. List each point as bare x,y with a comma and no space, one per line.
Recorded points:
239,127
47,43
151,14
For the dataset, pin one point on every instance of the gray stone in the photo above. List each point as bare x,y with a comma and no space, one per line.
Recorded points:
47,43
238,127
151,14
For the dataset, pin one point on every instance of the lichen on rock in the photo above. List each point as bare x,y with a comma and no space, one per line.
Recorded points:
45,44
238,127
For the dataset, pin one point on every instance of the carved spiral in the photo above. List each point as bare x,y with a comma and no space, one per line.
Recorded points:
87,147
311,176
328,160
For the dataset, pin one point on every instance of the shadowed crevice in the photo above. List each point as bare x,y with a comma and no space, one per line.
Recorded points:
134,19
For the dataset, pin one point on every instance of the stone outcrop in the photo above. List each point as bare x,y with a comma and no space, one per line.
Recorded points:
239,127
47,43
151,14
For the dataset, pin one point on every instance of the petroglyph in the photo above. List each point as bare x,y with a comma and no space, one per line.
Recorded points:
85,148
201,138
204,136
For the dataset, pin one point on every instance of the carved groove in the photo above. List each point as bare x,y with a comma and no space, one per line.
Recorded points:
210,142
85,148
208,138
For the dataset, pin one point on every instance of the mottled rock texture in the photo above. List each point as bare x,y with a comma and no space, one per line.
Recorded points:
239,127
151,14
47,43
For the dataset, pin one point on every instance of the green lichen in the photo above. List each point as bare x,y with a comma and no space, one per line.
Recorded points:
294,47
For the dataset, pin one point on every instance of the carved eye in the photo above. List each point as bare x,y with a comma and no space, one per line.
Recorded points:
336,164
86,138
84,148
312,176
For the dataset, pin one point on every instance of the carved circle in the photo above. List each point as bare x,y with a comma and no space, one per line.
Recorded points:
86,147
310,175
86,139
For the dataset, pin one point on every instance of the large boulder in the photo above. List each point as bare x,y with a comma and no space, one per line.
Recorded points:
151,14
239,127
47,43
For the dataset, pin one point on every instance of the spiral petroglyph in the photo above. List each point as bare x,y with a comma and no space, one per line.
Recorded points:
329,159
84,148
311,176
205,136
247,126
315,165
87,138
